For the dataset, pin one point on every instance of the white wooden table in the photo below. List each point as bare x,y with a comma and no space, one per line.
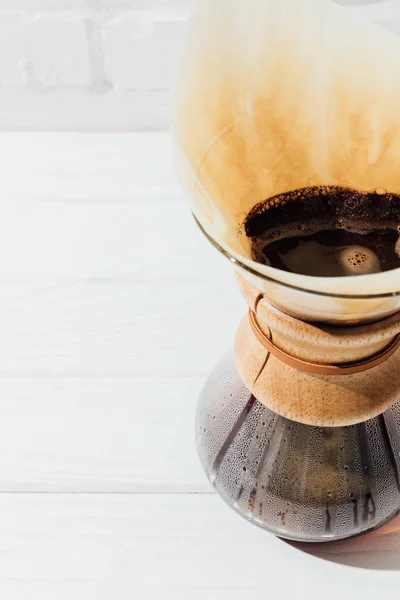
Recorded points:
113,309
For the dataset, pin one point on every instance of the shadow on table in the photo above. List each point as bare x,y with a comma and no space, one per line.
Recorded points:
379,549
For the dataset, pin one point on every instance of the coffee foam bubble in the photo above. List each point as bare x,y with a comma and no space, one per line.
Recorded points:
358,260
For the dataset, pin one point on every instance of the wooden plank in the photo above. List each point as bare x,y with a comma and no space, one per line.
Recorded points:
87,167
141,242
125,330
97,208
99,435
144,547
126,547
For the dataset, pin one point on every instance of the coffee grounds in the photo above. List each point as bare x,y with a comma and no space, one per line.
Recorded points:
326,202
327,232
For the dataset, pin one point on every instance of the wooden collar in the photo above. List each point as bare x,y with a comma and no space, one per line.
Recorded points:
322,369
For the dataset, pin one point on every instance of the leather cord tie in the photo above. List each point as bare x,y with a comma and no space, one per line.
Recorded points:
318,369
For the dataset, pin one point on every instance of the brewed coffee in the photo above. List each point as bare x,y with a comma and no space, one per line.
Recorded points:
327,232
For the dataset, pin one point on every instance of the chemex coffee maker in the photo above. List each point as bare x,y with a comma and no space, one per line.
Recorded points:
287,127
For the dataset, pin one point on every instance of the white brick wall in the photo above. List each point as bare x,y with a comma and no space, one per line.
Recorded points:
57,51
102,64
88,64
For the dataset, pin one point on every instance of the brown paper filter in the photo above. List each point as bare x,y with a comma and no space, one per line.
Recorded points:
277,95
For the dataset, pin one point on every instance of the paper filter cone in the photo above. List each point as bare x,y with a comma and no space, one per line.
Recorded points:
277,95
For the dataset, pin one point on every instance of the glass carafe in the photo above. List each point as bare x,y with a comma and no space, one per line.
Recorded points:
299,429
